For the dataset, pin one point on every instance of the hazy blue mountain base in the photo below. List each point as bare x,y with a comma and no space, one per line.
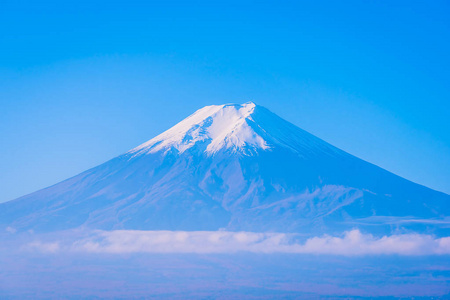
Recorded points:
124,265
221,276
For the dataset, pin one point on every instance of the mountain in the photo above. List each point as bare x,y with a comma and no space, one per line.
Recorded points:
233,167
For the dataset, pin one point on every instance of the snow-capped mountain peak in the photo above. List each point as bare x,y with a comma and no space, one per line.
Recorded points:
233,167
240,128
216,126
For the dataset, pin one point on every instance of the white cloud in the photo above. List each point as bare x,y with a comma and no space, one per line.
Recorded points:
355,243
125,241
11,230
350,243
52,247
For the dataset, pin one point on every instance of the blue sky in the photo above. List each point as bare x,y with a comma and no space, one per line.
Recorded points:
85,81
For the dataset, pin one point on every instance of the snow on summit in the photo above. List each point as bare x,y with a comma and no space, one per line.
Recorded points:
242,128
218,126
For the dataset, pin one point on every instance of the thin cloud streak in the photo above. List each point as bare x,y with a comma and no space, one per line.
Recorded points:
351,243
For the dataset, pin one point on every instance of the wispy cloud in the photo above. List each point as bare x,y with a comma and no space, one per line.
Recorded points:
350,243
375,220
45,247
10,230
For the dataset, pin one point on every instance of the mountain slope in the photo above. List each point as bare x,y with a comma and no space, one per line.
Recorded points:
235,167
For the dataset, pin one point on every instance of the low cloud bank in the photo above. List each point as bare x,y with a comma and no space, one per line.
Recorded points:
350,243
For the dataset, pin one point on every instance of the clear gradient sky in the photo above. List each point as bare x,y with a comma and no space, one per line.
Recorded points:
84,81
